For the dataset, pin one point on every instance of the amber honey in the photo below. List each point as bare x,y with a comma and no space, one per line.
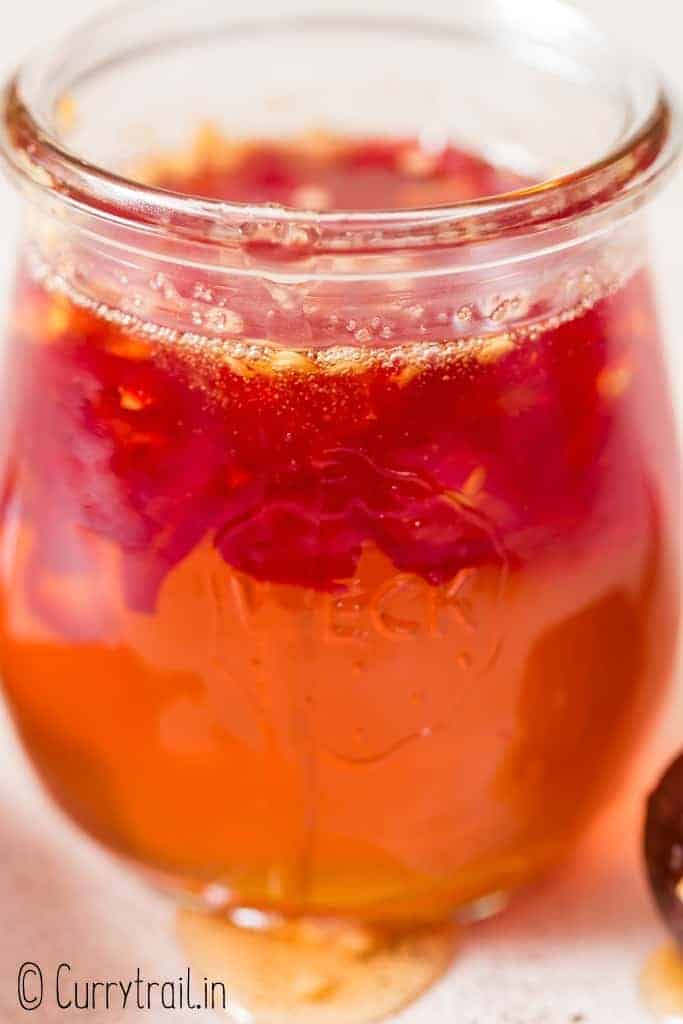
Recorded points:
362,629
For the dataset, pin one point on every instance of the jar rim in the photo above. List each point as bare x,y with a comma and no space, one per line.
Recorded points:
622,177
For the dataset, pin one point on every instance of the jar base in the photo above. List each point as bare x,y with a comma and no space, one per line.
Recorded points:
312,970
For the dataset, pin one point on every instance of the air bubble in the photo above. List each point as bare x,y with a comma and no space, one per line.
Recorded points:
160,283
334,358
285,297
290,235
248,917
135,302
216,895
504,308
200,291
223,321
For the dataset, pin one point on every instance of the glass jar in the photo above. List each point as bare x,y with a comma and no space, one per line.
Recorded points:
339,549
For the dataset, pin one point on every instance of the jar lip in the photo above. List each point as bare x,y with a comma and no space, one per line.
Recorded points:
624,177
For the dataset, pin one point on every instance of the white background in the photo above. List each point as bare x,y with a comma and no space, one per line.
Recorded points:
573,946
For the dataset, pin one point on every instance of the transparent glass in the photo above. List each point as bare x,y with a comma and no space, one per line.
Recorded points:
339,568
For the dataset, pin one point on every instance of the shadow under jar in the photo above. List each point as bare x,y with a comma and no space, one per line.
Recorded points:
338,547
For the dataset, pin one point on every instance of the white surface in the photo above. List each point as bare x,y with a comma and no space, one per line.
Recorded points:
573,946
